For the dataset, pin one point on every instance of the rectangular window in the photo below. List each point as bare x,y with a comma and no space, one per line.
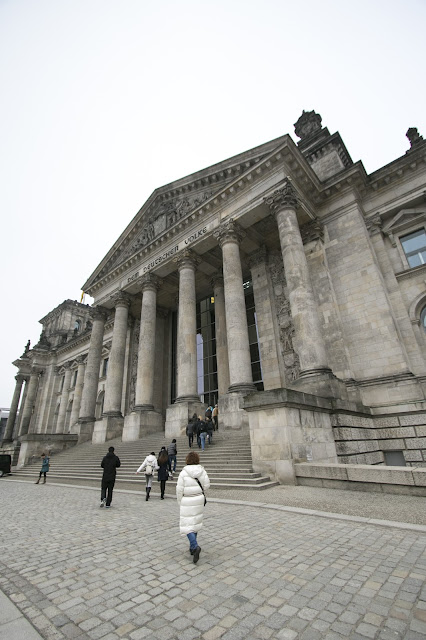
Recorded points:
414,245
105,368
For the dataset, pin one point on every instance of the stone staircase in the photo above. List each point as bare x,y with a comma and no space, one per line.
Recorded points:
227,461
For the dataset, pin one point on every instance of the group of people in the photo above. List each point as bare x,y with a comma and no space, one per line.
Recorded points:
201,429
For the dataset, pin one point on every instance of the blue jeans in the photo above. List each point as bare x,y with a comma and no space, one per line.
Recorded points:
203,440
192,537
172,459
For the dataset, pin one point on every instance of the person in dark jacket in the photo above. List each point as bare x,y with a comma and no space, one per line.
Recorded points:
163,474
191,428
172,451
109,464
44,467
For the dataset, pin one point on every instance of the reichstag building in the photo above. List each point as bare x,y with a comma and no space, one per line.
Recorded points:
285,284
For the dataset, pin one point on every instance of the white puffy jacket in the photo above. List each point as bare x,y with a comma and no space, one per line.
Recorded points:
190,497
152,460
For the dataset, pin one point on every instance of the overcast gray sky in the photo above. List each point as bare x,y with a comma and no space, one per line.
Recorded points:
105,100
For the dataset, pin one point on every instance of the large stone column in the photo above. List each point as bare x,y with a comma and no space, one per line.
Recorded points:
114,383
29,401
8,434
229,236
187,329
76,402
221,339
150,284
60,425
308,337
91,376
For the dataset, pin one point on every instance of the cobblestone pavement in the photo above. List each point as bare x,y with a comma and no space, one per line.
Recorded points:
77,571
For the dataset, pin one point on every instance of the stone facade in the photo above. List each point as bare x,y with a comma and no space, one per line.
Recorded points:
286,284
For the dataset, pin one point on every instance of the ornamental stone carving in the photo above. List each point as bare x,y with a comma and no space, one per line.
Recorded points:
99,313
121,299
257,257
312,231
229,231
374,224
308,124
149,281
187,258
283,198
414,136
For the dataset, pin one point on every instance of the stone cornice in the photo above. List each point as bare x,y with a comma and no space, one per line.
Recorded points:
412,272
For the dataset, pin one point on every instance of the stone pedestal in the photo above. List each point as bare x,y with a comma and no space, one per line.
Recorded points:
108,428
85,430
178,415
140,423
231,412
322,383
286,427
34,444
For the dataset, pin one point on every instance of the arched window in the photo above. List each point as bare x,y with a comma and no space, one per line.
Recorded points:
77,326
423,319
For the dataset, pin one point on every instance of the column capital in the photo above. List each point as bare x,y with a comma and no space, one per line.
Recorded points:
229,231
99,313
374,225
257,257
217,280
283,198
149,282
19,378
80,359
121,299
37,371
187,258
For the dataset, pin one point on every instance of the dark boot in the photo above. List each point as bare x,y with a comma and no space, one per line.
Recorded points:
37,481
148,489
44,480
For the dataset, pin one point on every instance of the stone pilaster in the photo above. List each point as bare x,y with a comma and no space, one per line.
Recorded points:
29,401
229,236
76,402
221,338
91,376
149,284
114,383
187,329
8,435
308,337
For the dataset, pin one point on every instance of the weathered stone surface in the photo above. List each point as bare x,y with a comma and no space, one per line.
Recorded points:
380,474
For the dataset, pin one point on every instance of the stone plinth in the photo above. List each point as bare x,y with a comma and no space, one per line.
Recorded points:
34,444
231,412
177,417
140,423
108,428
287,426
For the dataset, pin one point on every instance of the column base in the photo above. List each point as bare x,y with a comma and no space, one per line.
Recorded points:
144,407
108,428
188,398
141,423
178,414
320,382
242,387
112,414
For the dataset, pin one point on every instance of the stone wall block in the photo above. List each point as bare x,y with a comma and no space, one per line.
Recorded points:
413,456
416,443
322,420
329,471
376,458
391,421
380,474
419,475
397,432
347,448
391,445
420,430
412,419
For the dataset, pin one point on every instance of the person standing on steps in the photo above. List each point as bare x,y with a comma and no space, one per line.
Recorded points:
192,482
109,464
149,465
202,430
172,451
44,467
163,474
191,427
215,415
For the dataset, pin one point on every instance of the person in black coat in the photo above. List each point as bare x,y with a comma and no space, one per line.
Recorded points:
109,464
163,473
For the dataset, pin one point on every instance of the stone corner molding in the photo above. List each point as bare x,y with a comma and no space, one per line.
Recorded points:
229,231
286,197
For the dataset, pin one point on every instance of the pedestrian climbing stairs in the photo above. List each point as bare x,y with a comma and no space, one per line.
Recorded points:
227,461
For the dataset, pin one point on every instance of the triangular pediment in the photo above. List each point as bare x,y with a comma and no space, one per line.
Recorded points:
168,205
405,219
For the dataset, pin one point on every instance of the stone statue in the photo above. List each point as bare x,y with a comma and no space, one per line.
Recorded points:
27,346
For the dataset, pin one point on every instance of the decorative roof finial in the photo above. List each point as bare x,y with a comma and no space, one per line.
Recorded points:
414,136
308,123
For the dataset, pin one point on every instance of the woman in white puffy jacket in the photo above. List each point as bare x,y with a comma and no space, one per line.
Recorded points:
150,463
190,497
